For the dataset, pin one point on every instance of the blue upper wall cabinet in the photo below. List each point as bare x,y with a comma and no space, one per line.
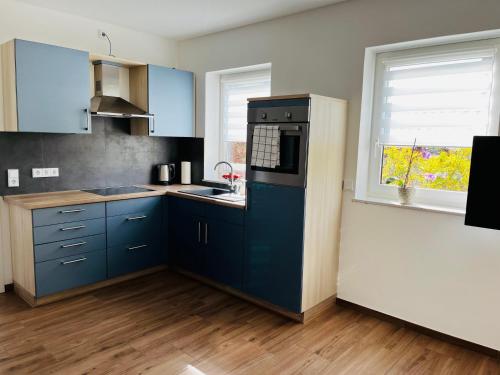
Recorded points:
171,100
52,88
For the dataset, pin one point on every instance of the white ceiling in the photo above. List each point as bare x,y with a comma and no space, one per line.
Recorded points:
181,19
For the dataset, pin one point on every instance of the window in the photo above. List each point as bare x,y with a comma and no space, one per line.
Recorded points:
226,93
439,98
235,89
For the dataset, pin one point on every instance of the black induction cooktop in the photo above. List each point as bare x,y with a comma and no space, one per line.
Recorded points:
118,190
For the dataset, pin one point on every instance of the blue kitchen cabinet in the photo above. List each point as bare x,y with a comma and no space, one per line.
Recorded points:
52,88
70,272
223,255
274,244
207,240
134,235
186,226
171,101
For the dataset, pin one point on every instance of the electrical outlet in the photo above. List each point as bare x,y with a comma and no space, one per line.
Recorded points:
37,172
53,172
45,172
12,177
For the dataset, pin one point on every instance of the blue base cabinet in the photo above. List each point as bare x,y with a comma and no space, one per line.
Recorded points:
274,244
83,244
69,253
66,273
223,261
134,234
207,240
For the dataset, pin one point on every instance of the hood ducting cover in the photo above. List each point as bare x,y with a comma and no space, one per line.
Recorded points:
111,85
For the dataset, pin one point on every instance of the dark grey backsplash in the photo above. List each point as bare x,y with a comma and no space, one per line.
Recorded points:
110,156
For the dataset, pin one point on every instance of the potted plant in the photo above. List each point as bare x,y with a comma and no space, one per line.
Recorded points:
406,192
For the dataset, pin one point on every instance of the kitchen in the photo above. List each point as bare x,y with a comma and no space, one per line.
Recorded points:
248,245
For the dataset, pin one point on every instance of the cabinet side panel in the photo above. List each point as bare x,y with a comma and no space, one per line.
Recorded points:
21,235
5,251
323,199
8,122
138,79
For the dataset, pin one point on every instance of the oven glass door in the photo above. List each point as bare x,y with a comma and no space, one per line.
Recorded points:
290,170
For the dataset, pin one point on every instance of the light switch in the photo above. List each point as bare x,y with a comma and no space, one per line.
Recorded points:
13,177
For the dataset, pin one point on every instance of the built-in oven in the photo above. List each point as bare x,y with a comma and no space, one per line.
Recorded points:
277,139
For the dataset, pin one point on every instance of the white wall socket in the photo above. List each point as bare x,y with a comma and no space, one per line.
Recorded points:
45,172
12,177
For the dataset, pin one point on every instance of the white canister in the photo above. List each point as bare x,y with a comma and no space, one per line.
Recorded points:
185,172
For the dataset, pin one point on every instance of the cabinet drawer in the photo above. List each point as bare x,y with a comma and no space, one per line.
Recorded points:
67,231
133,229
75,246
129,206
125,259
70,272
67,214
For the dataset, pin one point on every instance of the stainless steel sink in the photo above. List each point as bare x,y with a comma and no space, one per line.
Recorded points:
215,193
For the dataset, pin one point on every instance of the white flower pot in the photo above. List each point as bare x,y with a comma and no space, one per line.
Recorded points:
406,195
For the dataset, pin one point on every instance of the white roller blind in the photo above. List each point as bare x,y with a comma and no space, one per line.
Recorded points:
439,99
235,89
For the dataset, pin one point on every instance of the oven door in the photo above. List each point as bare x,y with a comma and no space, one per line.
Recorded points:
291,169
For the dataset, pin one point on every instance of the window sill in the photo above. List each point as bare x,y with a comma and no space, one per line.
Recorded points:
417,207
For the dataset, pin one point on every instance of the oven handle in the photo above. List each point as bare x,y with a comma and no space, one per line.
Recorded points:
290,128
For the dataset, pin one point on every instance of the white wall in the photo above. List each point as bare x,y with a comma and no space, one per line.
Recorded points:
18,20
427,268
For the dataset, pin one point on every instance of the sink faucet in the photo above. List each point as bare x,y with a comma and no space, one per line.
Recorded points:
232,186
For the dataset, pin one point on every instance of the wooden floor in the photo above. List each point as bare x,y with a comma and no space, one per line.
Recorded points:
168,324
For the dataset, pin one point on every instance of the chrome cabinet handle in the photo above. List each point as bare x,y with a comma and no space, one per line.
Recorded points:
73,228
72,211
199,231
206,233
74,244
74,261
136,218
89,119
137,247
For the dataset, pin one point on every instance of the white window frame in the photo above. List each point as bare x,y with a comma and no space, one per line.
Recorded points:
368,186
239,76
213,134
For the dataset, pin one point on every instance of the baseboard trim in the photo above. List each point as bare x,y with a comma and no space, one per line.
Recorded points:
421,329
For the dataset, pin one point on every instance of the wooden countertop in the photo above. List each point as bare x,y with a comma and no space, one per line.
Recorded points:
72,197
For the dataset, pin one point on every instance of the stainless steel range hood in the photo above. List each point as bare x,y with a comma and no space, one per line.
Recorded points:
111,82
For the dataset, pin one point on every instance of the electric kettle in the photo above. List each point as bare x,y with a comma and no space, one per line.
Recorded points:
166,173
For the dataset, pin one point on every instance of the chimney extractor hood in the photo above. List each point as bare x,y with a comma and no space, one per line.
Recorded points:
112,92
